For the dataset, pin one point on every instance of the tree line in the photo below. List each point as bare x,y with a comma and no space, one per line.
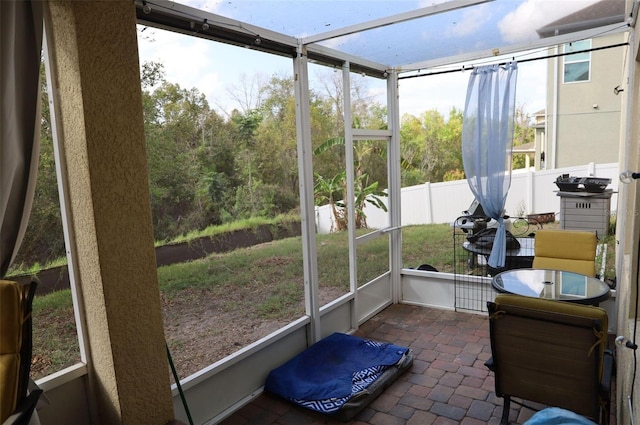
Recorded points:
208,168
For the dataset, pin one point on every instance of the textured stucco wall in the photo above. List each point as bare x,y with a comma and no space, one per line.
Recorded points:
628,212
581,125
104,146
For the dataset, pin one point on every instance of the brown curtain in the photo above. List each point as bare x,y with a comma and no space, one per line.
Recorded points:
20,52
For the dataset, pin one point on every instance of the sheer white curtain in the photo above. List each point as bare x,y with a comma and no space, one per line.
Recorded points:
20,41
487,142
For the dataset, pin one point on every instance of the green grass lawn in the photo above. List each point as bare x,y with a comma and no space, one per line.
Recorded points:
254,285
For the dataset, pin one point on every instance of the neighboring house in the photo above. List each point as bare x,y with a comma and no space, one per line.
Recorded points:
584,120
528,150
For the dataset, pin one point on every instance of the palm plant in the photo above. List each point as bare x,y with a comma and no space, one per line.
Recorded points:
326,190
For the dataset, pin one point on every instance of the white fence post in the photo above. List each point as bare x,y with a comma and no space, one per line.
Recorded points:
531,206
428,204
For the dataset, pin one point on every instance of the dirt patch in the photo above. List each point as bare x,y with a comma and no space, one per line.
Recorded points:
202,329
275,261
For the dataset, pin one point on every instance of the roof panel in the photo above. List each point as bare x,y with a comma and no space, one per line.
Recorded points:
488,27
485,27
301,18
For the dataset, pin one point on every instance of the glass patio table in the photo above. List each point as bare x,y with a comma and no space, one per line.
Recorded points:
552,284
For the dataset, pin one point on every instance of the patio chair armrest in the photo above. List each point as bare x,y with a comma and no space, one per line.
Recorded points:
607,374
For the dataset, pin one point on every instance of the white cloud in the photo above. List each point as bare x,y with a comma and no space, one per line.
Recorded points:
521,24
472,20
208,5
427,3
444,91
335,43
186,60
441,92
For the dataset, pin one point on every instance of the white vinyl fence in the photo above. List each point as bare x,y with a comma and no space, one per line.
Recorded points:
531,192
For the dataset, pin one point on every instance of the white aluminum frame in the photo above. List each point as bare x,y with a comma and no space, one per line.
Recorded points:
307,205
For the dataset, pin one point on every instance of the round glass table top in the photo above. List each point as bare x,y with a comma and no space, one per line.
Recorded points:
552,284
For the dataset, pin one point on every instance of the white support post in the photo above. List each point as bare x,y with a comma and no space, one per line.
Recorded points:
393,167
351,210
552,154
307,206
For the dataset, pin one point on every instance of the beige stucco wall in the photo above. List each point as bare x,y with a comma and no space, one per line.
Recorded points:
588,113
629,239
96,62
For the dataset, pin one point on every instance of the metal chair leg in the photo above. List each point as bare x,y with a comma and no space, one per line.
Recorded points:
505,410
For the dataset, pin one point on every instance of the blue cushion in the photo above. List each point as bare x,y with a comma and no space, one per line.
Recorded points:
557,416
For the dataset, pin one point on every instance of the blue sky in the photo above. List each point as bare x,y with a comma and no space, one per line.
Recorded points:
220,71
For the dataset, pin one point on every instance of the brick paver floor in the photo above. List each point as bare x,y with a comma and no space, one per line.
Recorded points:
448,383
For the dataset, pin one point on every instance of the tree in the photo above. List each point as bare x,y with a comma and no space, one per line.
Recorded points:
523,133
248,94
452,137
211,194
276,139
191,154
171,135
431,147
246,125
216,160
412,151
443,143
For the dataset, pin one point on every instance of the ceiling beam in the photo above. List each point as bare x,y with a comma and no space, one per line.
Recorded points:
186,20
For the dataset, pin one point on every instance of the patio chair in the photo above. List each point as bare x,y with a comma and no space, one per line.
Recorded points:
550,352
17,403
567,250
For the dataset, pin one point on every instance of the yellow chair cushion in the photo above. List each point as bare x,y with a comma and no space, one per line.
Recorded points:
11,307
554,306
568,250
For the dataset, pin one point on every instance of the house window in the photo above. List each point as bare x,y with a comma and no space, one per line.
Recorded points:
577,66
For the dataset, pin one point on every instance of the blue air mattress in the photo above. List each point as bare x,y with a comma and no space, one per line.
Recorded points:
339,375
